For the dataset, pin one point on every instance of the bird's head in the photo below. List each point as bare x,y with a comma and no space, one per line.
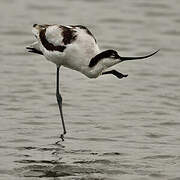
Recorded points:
110,57
37,29
111,54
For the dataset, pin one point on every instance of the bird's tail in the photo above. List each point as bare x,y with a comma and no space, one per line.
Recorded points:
34,48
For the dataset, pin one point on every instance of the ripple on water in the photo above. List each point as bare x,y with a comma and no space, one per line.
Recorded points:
173,32
99,139
45,7
57,170
155,135
36,162
160,157
13,32
120,21
159,14
170,123
114,154
77,169
97,161
154,5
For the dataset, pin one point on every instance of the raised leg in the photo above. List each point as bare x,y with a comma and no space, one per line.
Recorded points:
59,100
115,73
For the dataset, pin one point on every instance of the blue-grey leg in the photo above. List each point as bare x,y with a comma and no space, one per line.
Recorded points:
59,100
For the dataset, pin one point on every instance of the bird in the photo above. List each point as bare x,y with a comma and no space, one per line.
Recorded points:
75,47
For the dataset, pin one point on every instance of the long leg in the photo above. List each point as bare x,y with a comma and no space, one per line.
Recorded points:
115,73
59,100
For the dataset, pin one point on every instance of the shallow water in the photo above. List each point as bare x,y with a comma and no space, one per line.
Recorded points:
117,129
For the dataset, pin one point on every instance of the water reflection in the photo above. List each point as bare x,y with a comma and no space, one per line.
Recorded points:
98,163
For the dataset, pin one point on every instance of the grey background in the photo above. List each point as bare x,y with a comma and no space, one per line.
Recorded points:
117,129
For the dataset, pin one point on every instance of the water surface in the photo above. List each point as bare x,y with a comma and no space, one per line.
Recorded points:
117,129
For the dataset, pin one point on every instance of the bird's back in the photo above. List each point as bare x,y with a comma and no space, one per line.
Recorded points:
71,46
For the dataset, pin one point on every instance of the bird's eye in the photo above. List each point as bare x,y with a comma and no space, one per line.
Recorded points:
113,55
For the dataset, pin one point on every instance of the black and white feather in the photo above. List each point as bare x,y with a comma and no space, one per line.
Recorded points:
74,47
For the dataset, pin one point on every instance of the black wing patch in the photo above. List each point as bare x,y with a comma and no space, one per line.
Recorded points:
49,46
68,34
86,29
